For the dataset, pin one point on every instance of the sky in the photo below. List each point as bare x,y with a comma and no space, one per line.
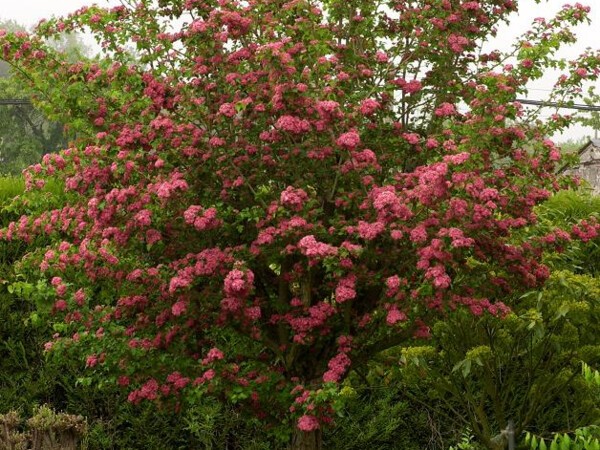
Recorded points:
29,12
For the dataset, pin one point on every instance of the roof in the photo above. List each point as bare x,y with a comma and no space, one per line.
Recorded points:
594,142
582,150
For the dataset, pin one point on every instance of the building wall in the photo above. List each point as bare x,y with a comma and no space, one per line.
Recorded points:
589,167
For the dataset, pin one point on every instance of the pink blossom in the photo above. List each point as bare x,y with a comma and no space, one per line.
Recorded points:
369,106
350,140
253,312
214,354
238,283
445,109
457,42
149,390
201,219
61,290
179,308
310,247
227,110
153,236
308,423
293,198
412,87
418,234
457,159
337,366
438,275
394,316
381,57
471,5
292,124
91,361
345,289
370,231
412,138
60,305
327,108
144,217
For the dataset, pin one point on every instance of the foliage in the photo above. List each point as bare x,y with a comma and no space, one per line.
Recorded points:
378,416
274,193
525,367
567,210
522,368
584,438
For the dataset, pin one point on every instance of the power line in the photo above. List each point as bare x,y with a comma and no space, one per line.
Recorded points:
578,106
14,101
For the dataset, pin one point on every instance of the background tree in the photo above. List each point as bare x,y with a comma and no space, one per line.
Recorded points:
275,193
26,134
591,119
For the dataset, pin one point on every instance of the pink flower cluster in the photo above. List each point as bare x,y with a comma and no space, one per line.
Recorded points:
214,354
439,277
314,249
177,380
458,42
148,391
393,284
349,140
337,367
369,231
238,283
445,109
165,189
586,230
346,289
389,205
201,219
365,159
308,423
478,306
304,324
292,124
394,315
457,236
369,106
293,198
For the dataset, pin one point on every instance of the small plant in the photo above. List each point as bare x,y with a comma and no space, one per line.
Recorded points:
11,438
46,430
584,438
467,442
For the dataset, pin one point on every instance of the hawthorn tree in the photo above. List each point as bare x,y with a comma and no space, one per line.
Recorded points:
266,194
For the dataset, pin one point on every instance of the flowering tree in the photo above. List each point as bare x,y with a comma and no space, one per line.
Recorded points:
266,194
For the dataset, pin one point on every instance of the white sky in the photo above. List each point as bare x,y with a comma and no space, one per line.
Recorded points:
29,12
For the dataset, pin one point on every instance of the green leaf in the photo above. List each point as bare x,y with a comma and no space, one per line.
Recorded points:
563,310
466,368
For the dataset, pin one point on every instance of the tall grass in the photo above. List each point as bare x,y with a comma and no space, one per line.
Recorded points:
10,187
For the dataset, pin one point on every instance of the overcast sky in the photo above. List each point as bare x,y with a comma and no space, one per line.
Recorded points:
29,12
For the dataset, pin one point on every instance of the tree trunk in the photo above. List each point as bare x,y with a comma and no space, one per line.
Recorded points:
302,440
